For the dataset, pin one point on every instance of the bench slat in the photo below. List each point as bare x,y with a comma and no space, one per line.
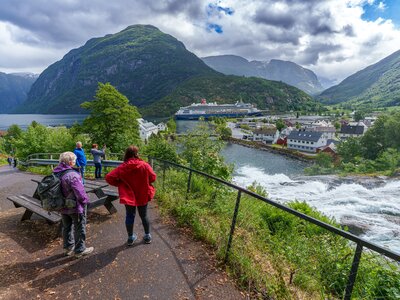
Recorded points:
33,205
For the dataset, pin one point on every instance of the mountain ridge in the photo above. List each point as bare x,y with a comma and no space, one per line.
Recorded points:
274,69
377,85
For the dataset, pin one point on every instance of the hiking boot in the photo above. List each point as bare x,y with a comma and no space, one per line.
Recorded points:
147,238
84,252
131,239
69,251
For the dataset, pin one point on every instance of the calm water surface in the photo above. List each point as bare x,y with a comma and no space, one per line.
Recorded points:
23,120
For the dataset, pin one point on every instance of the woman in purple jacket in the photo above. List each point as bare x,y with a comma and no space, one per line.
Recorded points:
74,191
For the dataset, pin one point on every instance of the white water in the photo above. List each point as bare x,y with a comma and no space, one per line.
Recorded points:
377,209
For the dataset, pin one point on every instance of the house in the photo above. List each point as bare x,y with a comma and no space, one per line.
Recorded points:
282,141
323,126
266,134
307,141
347,131
162,126
146,129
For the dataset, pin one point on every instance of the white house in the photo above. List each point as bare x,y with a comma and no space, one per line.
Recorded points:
323,126
162,126
307,141
265,134
146,129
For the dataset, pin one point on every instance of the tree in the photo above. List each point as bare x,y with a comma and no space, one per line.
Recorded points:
171,125
203,153
112,120
373,141
324,160
224,131
14,132
349,149
159,147
359,115
280,124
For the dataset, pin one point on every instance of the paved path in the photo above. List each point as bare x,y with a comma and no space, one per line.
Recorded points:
32,266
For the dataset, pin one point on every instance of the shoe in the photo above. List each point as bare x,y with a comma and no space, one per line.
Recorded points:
84,252
131,240
69,251
147,238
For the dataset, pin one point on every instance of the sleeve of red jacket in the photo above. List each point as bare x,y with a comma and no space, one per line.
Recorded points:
112,178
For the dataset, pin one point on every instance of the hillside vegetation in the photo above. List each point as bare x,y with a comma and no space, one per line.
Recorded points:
375,86
265,94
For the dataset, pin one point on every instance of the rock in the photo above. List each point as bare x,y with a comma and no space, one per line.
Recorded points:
355,225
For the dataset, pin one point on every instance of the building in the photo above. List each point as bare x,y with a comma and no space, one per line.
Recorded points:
307,141
146,129
323,126
266,134
347,131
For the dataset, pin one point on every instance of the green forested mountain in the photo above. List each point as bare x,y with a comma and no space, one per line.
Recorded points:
147,66
143,63
265,94
375,86
14,90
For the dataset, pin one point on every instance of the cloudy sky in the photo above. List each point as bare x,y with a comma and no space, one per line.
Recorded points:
334,38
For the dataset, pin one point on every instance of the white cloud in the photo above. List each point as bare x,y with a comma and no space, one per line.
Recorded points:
327,36
381,6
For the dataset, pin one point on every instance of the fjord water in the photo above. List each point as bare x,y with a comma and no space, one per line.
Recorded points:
23,120
373,205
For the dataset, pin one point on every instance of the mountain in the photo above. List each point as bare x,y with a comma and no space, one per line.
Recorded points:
274,69
156,73
143,63
14,90
375,86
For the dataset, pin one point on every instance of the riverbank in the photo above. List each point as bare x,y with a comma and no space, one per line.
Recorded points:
266,147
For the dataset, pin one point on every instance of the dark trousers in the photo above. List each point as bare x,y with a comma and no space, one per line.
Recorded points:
74,231
97,171
130,218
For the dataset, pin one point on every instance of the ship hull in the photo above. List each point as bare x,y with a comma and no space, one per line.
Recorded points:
220,115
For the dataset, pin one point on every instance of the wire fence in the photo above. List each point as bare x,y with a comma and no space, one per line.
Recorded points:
276,251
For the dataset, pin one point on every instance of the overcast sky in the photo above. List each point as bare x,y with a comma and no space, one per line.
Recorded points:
334,38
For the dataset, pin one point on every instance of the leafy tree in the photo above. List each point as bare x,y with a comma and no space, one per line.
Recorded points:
349,149
373,141
33,140
14,132
223,131
203,153
337,125
171,125
359,115
324,160
159,147
112,119
389,159
280,124
392,131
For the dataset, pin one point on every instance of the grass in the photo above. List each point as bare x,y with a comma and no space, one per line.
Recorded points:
274,253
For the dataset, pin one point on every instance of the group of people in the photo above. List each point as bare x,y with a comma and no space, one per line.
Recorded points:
134,178
12,161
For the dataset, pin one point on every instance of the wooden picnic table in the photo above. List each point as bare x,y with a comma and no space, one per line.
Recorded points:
33,205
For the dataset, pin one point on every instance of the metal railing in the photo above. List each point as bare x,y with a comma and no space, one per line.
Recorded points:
361,244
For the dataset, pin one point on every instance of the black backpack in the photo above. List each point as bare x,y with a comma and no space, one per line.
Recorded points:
49,191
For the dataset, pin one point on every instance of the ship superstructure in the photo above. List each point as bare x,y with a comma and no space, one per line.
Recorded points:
207,110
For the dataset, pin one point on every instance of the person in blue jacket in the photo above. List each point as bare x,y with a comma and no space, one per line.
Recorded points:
80,159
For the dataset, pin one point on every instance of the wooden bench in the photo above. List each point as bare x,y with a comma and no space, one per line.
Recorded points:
33,205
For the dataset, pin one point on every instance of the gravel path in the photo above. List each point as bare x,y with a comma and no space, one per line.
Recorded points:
32,266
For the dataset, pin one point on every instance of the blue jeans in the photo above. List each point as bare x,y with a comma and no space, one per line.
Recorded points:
82,171
97,171
76,237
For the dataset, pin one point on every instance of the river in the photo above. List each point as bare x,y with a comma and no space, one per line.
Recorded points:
369,205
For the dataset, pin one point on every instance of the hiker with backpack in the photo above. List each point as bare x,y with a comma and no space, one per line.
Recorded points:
73,216
134,179
80,159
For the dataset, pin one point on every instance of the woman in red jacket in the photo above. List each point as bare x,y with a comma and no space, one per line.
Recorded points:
133,179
